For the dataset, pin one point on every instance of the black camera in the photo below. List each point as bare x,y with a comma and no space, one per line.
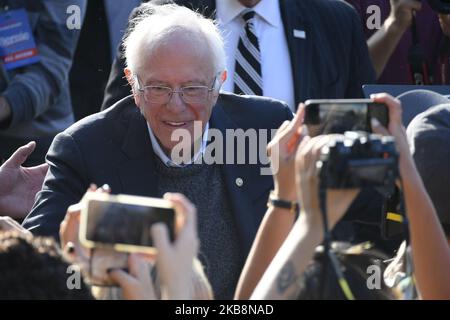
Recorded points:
359,160
440,6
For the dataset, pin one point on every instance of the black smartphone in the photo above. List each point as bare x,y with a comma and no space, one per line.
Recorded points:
123,222
338,116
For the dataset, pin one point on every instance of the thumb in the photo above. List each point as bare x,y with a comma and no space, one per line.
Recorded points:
160,237
21,155
378,128
41,169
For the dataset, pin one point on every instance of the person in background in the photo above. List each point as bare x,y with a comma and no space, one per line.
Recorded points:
389,45
103,28
34,89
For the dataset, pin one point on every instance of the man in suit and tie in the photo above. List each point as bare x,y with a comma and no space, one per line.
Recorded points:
175,65
306,49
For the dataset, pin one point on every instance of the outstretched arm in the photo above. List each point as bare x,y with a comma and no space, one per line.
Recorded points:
383,43
281,277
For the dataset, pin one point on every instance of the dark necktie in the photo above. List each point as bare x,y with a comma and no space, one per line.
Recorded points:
247,73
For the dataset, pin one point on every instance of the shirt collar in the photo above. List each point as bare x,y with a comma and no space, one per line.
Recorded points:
268,10
166,160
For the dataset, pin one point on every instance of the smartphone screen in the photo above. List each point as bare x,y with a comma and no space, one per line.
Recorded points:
113,223
323,117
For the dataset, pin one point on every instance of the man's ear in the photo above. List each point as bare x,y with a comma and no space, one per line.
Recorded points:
132,82
129,76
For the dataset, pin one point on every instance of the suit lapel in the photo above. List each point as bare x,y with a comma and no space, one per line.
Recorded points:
300,49
137,171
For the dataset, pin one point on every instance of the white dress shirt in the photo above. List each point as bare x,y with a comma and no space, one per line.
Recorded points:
276,67
169,162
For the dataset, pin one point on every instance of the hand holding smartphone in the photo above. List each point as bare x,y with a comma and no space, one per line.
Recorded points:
123,222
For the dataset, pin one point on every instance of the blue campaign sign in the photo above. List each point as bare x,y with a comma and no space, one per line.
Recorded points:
17,45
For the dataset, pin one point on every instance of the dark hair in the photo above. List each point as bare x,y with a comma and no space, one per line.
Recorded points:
353,262
33,268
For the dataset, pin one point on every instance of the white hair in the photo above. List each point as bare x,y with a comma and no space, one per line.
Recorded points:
151,28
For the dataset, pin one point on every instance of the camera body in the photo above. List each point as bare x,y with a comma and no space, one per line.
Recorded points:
359,160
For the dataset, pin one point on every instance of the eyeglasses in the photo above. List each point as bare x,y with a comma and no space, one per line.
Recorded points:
163,94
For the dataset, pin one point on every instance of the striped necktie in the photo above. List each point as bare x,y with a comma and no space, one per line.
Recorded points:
247,73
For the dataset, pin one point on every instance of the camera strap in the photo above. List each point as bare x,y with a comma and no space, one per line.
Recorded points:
416,58
328,253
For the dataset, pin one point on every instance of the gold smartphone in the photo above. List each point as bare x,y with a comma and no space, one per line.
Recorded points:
123,222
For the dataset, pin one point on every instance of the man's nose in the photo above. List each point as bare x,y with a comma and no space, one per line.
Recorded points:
176,103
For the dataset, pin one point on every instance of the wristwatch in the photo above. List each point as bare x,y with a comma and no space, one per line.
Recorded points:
293,206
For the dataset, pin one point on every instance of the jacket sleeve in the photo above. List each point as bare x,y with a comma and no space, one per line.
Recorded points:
35,89
64,185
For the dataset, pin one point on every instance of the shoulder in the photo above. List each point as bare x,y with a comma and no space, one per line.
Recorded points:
336,11
105,126
254,111
336,6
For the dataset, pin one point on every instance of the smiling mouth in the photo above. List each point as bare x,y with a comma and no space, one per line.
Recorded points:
175,124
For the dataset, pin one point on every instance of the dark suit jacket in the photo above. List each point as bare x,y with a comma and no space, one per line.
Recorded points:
332,62
114,147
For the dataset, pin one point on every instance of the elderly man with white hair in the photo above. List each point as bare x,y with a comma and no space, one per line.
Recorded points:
176,66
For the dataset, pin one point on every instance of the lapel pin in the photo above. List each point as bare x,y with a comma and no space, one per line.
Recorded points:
301,34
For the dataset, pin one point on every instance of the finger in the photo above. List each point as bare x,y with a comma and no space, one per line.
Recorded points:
123,279
393,104
68,229
296,121
21,155
317,148
378,128
160,236
149,257
283,126
41,169
180,215
104,189
184,208
139,268
297,129
300,153
183,204
306,150
8,223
